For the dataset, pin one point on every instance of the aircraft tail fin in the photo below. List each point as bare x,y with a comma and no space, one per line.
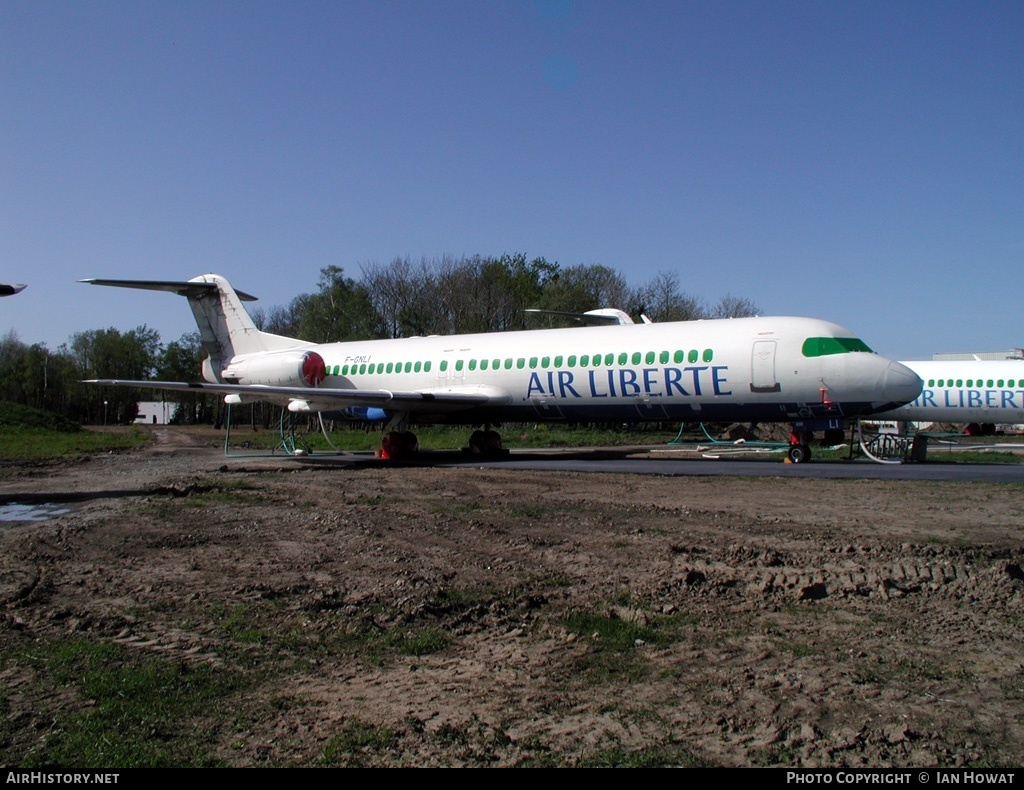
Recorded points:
226,328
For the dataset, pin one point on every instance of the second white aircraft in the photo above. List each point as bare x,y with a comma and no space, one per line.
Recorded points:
979,392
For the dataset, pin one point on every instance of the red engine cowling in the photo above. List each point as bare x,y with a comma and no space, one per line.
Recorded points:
292,368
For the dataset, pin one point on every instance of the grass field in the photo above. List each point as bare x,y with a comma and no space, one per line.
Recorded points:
29,434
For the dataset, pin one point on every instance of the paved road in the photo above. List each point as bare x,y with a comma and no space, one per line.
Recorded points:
654,461
865,470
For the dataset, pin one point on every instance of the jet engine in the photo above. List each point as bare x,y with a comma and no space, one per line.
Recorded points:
291,368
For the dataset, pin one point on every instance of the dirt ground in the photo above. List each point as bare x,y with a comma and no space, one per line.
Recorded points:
449,617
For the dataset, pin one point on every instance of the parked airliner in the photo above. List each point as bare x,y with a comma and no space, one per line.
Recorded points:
746,369
971,391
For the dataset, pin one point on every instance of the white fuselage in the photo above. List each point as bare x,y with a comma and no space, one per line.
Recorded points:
966,391
766,369
779,369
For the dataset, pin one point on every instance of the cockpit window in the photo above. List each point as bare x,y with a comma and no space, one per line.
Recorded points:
824,346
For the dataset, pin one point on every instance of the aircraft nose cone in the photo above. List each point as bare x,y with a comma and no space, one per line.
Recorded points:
901,385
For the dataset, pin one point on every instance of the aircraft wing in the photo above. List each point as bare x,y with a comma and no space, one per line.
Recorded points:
326,398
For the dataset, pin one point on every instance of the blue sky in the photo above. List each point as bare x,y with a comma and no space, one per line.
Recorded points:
861,162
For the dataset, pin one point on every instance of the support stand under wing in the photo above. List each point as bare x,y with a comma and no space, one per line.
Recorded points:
290,443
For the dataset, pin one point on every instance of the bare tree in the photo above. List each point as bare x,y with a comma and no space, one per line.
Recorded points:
730,306
661,299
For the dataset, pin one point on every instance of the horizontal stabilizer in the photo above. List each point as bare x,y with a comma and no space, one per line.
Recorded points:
606,316
189,288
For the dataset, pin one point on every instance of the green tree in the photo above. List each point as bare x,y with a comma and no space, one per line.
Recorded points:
182,360
577,289
341,310
489,294
109,354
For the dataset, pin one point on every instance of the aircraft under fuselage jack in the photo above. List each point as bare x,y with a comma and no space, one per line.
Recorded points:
969,392
731,370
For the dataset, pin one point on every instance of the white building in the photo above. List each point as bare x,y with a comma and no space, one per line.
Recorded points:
156,412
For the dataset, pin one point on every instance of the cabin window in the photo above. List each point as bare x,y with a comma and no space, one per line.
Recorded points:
472,364
533,363
495,364
444,366
649,359
483,364
959,382
596,361
637,356
520,363
679,357
609,360
417,367
558,361
623,358
709,354
508,364
458,364
664,357
571,361
426,366
998,383
584,360
545,361
824,346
